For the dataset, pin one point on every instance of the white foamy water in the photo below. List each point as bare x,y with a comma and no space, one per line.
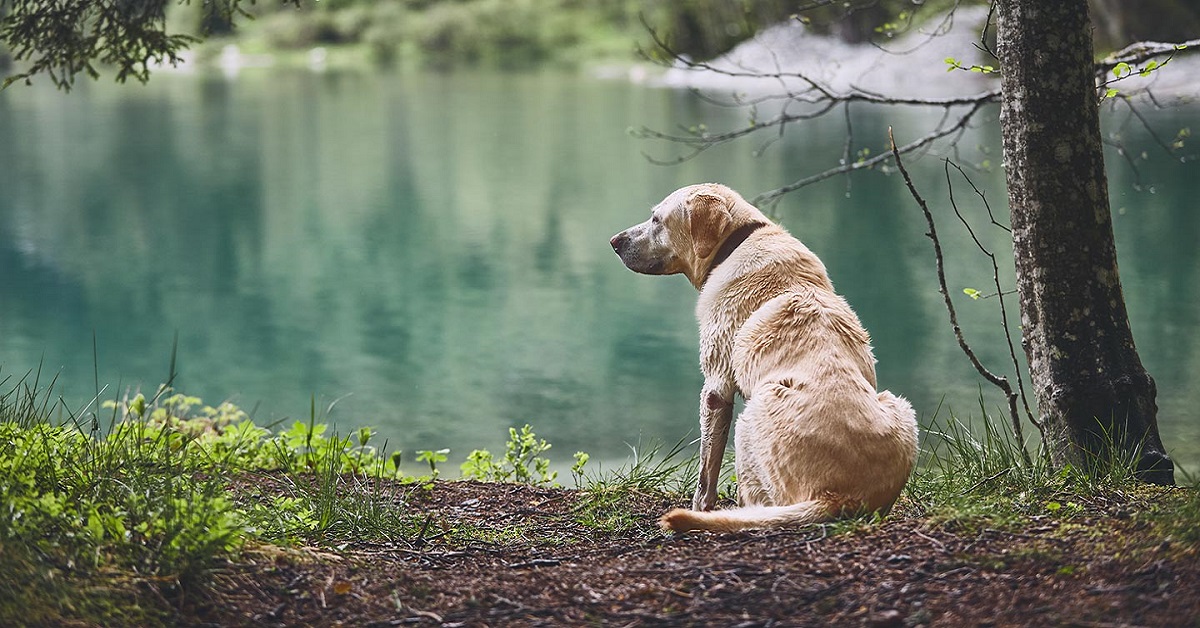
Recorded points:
910,65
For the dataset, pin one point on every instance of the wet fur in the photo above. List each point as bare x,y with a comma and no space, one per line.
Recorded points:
815,439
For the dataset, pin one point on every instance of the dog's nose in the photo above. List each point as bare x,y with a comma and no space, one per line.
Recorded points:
618,242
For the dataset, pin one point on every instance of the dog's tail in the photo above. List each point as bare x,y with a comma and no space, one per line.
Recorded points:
825,508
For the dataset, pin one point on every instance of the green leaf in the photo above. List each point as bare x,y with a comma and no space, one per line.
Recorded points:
971,292
94,526
581,459
1112,91
138,406
1053,506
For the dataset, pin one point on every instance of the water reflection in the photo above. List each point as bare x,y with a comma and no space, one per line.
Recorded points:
432,251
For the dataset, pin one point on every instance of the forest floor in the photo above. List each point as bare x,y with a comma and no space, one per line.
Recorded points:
516,555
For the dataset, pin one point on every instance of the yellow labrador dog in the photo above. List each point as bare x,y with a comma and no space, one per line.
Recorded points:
815,440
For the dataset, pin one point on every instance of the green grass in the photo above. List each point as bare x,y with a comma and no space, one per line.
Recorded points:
652,473
973,475
114,514
143,504
75,504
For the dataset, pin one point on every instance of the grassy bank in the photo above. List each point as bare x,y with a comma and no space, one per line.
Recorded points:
506,34
125,516
512,34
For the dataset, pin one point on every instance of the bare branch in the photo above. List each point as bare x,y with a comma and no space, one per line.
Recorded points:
997,380
987,23
982,197
1123,64
959,126
799,87
1000,293
848,145
1146,125
1116,139
818,99
824,92
698,137
1143,51
941,29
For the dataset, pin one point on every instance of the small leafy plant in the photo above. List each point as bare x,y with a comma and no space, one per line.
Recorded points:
523,461
433,458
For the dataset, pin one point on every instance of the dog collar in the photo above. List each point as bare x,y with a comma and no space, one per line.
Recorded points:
731,243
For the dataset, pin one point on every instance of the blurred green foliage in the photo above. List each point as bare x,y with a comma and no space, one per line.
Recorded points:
513,33
489,33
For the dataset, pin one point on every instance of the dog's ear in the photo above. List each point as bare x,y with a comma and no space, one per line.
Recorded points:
708,219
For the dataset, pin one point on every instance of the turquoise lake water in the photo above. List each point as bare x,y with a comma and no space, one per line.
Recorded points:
431,251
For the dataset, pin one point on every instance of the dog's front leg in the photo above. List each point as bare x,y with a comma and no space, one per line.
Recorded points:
716,414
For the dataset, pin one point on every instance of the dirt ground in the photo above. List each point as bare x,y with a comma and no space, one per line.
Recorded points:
530,562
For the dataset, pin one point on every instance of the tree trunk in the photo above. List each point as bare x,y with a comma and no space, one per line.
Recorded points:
1094,396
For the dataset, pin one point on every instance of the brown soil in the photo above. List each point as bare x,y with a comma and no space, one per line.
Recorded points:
542,567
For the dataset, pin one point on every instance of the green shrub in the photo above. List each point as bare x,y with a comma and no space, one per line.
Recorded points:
523,461
504,33
385,35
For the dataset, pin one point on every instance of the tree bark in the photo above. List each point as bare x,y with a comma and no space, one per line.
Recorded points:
1093,394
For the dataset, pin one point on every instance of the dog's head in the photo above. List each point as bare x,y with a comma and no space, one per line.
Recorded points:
684,231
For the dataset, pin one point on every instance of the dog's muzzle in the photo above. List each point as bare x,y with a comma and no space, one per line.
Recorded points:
619,243
634,257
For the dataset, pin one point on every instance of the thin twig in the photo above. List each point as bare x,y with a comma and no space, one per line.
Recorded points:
1119,145
997,380
1167,148
959,125
825,92
941,29
848,145
1132,56
987,24
1138,52
1012,352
